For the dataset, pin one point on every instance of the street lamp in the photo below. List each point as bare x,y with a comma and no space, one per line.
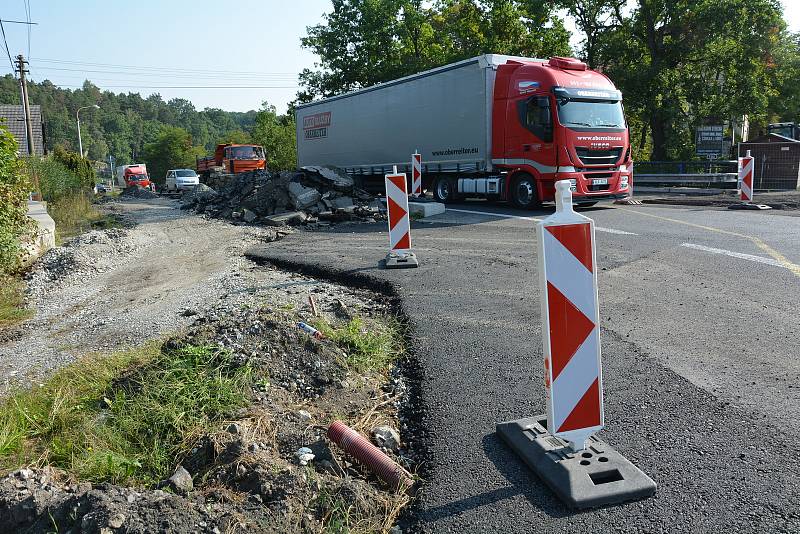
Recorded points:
77,116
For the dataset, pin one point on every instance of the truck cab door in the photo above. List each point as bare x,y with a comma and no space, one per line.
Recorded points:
529,129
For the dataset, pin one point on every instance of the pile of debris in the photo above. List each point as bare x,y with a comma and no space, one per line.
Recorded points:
137,191
312,195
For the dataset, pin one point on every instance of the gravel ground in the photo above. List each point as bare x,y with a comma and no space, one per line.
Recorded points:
105,290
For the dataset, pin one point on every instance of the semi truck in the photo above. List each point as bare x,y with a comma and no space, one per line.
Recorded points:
134,174
493,126
232,159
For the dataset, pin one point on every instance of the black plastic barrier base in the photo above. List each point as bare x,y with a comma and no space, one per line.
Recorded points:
400,260
748,206
596,476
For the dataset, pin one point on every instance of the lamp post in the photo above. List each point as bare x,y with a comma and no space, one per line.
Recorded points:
78,116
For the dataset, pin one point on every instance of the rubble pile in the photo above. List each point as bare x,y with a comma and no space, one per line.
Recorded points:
311,196
138,191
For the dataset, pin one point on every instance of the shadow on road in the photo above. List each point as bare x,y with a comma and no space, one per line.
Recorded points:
523,483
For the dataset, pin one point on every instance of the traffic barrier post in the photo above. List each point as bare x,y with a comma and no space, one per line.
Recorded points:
561,445
400,255
745,184
416,174
746,178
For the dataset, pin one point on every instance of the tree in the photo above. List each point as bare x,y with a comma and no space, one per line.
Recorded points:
171,149
277,135
236,137
365,42
680,63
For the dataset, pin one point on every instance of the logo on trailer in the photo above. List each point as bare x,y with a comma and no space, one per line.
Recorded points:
316,126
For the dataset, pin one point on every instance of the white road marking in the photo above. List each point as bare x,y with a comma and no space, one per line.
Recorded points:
503,215
613,231
740,255
534,219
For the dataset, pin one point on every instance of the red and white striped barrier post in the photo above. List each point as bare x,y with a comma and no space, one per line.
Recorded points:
400,255
746,178
416,174
570,315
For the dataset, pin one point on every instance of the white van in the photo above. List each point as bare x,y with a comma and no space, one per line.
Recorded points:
181,179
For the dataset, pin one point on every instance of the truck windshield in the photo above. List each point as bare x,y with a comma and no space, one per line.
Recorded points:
591,113
186,174
246,152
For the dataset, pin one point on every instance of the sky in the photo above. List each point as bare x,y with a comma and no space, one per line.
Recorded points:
230,56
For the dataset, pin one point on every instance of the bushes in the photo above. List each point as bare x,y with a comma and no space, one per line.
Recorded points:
14,189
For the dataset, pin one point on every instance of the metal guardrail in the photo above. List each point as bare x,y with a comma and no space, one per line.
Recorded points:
720,179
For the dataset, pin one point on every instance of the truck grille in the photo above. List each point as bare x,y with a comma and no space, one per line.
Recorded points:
598,157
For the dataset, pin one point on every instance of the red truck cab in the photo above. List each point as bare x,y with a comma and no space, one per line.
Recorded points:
233,159
559,121
137,175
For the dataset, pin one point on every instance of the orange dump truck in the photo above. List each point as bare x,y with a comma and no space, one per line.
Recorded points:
233,159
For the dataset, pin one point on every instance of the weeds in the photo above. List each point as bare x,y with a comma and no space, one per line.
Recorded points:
12,301
370,346
123,417
75,214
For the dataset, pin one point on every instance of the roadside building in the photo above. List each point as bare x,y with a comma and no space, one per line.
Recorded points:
776,161
13,118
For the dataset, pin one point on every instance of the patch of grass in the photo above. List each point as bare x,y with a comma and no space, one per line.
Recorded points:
122,418
75,214
370,346
12,301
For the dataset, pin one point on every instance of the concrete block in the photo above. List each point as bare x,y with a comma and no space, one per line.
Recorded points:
425,209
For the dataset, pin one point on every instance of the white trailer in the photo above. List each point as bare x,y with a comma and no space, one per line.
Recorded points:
445,113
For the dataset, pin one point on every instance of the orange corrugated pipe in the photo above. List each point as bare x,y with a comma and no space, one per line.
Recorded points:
368,454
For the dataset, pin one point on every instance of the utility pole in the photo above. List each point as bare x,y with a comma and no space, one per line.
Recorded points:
25,104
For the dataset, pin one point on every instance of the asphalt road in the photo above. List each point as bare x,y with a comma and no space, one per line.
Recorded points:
701,351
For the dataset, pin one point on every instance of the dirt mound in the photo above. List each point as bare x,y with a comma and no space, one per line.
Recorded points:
311,196
245,471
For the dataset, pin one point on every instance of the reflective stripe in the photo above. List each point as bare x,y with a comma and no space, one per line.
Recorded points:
544,169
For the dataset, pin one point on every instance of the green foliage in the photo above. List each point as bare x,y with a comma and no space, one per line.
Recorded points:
171,149
54,179
364,42
77,165
682,64
277,135
124,123
12,301
124,417
14,190
370,346
234,137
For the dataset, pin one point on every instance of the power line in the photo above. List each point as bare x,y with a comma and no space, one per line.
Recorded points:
209,69
187,86
20,22
11,61
206,74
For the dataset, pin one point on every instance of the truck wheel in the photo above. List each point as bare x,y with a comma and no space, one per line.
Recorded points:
444,190
523,192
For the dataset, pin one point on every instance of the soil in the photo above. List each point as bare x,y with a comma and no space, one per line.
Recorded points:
779,200
183,277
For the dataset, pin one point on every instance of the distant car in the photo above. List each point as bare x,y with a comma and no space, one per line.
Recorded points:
181,180
101,189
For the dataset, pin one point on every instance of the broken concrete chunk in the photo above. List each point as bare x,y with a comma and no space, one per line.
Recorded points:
386,437
337,177
304,455
248,216
181,480
302,197
292,217
342,203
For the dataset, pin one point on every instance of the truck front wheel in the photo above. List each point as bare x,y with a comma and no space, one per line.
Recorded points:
444,190
523,192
